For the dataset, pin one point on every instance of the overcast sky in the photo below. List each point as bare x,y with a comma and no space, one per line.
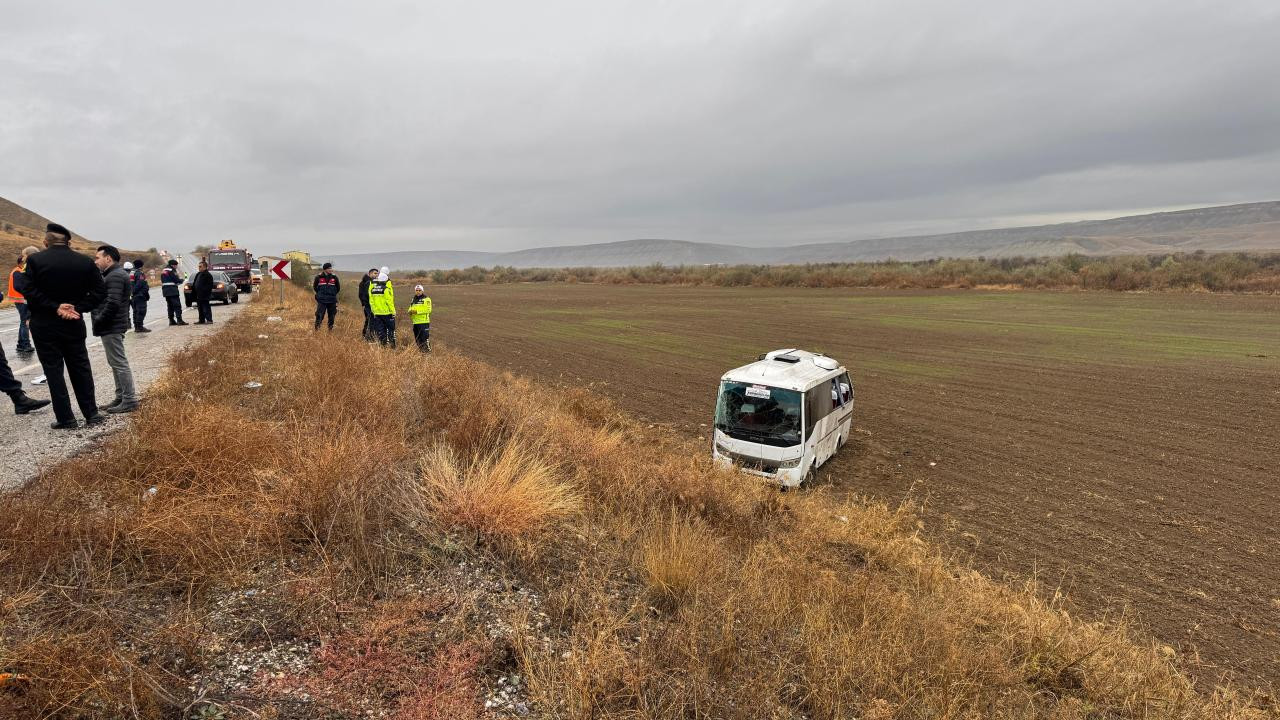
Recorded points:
341,126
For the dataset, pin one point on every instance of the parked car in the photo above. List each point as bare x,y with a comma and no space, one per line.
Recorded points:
255,276
223,289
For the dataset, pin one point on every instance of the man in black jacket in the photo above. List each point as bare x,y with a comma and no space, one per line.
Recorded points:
61,285
141,296
367,332
111,322
202,290
326,287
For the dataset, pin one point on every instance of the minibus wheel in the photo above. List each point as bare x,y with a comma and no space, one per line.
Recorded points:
806,483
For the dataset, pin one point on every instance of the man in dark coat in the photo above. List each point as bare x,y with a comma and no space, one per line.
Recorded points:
141,296
326,287
111,322
367,332
202,290
61,286
171,289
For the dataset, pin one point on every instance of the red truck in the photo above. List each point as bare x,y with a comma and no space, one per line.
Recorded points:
236,262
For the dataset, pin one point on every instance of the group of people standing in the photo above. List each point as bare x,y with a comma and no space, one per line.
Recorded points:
53,289
378,298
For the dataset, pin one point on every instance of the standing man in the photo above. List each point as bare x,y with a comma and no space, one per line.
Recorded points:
202,289
61,286
14,293
382,303
111,322
141,293
367,332
171,289
326,286
420,314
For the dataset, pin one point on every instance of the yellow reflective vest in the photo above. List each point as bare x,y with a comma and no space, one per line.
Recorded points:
420,310
382,298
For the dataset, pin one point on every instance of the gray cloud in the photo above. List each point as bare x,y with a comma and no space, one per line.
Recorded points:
502,125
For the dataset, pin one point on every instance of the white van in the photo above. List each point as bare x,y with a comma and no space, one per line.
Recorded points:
783,416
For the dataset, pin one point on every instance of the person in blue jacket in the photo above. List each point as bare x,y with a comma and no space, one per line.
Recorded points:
141,296
171,288
326,287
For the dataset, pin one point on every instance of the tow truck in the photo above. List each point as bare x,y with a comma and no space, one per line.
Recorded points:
236,262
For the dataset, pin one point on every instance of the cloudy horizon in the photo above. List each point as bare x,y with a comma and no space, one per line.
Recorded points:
500,126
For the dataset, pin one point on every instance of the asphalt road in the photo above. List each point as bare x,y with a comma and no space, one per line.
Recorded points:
29,442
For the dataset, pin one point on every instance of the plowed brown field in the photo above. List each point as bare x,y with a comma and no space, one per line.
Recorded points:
1122,447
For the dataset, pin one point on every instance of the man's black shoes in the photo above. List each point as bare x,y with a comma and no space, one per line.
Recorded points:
143,329
95,420
68,425
23,403
122,408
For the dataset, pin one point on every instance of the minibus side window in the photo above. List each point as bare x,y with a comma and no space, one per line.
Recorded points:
846,389
817,405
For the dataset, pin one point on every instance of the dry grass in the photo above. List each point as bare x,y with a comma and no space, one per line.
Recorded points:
510,495
671,588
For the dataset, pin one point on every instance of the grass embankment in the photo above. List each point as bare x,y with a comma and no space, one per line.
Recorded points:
374,530
1216,272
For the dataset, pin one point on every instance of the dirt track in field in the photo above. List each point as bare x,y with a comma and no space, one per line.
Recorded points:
1121,447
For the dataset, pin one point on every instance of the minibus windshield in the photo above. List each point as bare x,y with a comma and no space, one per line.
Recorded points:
759,413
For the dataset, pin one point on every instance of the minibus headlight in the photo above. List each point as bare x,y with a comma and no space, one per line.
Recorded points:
792,463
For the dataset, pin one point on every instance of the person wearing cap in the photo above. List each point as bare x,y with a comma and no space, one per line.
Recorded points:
368,332
171,289
62,285
24,347
326,286
111,322
141,294
420,314
382,303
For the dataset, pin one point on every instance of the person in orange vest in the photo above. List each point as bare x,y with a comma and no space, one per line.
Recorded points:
14,295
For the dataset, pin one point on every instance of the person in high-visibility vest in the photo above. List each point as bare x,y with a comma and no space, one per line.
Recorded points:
14,294
420,314
382,303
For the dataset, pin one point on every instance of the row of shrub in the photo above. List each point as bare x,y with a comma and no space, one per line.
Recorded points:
1215,272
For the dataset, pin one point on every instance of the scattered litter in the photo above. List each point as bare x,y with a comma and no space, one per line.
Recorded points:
12,680
274,318
843,518
213,362
263,337
150,493
933,464
40,380
253,384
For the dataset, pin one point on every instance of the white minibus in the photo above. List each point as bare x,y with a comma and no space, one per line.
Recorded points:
783,416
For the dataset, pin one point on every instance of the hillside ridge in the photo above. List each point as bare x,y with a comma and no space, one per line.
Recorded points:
1224,228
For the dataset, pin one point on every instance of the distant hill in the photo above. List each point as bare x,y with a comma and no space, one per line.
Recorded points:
1253,226
18,221
20,227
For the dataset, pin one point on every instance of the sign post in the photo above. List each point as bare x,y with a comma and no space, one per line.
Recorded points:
281,271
